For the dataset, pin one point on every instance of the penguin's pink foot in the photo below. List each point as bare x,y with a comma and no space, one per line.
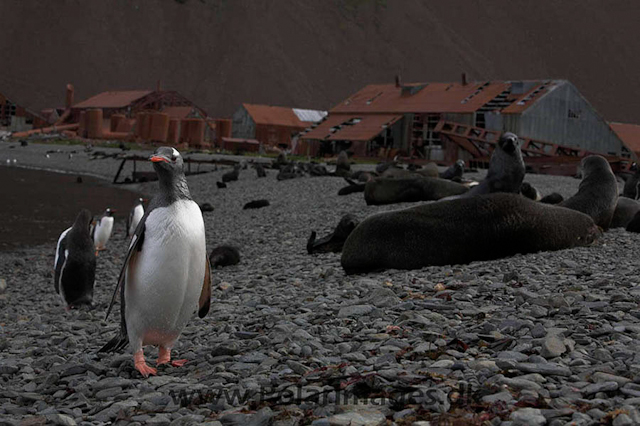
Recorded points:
164,357
141,365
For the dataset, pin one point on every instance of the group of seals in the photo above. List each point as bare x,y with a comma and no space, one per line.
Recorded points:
463,230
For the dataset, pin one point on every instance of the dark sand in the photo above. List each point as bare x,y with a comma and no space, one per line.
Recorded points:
38,205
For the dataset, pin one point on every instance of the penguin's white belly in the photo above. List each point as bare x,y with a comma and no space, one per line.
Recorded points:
103,231
138,212
164,282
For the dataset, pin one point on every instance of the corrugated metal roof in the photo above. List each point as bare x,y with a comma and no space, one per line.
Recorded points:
274,116
629,134
352,127
310,115
118,99
529,98
428,97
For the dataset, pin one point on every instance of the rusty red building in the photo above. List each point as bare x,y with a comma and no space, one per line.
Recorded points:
273,125
446,121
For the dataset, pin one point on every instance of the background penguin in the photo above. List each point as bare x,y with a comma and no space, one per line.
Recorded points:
75,263
135,215
165,277
102,230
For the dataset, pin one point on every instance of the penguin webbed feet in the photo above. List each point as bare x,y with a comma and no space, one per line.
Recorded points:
164,357
141,365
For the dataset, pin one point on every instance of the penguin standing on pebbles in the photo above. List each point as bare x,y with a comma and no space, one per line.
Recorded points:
165,277
102,230
134,216
75,263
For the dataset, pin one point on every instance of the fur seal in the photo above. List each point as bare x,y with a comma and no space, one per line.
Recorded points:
221,185
259,170
456,170
463,230
75,263
232,175
626,209
256,204
632,185
597,194
224,256
553,198
353,187
530,192
506,168
429,170
343,167
334,241
634,224
389,191
166,277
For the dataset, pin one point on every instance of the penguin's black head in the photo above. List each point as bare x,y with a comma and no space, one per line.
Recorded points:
109,212
508,142
166,158
83,220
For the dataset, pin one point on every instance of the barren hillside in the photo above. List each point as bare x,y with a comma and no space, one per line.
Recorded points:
314,53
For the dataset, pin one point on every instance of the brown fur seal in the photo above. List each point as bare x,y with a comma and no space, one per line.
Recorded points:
632,185
597,194
334,241
553,198
506,168
530,192
232,175
429,170
343,167
224,256
626,209
634,225
461,231
389,191
456,170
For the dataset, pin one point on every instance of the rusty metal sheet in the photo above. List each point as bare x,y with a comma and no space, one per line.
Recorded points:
323,130
630,136
117,99
528,98
178,111
273,115
366,129
422,98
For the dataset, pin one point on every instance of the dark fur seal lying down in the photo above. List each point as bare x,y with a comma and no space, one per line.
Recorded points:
391,190
256,204
334,241
626,209
463,230
224,256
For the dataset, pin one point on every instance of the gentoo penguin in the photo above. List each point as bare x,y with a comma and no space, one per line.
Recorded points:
75,263
134,216
165,277
102,230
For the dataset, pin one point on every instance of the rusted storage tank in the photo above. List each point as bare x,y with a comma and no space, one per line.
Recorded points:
173,135
82,125
159,127
115,122
94,123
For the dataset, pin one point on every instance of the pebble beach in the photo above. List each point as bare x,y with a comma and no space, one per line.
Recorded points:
550,338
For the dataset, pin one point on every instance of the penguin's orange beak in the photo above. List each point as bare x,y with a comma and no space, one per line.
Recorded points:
158,158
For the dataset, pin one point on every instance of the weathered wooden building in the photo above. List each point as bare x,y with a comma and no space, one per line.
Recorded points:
17,118
272,125
409,119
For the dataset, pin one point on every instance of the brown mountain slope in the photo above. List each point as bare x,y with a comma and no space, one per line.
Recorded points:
313,54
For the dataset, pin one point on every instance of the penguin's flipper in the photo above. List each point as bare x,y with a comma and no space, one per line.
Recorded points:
60,259
120,341
205,296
